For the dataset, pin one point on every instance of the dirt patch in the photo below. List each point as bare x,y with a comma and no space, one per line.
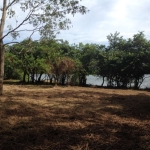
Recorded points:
74,118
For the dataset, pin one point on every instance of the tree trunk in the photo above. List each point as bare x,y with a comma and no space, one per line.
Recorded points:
136,83
67,82
84,80
63,81
28,77
24,77
103,81
1,66
55,81
39,79
32,78
63,78
2,24
80,80
50,78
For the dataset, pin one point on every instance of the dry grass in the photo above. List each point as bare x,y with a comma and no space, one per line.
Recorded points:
74,118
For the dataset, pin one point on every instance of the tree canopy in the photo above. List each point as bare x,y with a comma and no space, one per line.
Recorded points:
123,64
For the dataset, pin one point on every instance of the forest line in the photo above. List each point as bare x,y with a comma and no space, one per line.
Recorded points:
124,62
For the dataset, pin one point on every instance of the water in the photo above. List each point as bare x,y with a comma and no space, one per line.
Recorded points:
93,80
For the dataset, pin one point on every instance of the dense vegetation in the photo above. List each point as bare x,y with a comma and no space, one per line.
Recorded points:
124,62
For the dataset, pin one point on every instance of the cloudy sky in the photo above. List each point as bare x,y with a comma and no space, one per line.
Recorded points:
105,17
108,16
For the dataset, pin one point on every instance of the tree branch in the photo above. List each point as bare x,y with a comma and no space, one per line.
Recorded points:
10,4
27,18
3,19
33,31
10,43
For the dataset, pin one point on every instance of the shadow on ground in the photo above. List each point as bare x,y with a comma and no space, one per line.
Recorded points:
67,119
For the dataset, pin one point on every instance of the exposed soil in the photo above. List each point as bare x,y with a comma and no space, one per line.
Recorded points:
73,118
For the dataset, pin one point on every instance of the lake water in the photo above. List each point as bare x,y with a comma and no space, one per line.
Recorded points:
93,80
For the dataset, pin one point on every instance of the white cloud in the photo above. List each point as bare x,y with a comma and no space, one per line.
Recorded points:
125,16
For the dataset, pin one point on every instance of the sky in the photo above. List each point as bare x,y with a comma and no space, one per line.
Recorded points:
105,17
127,17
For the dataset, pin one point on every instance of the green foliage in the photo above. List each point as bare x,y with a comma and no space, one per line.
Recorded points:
127,60
11,71
123,62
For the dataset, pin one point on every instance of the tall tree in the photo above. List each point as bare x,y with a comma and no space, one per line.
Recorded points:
46,16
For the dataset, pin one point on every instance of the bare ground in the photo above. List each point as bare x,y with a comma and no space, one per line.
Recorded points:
73,118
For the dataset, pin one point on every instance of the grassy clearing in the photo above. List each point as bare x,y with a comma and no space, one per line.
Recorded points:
73,118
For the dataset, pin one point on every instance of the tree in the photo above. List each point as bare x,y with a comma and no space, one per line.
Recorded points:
128,60
117,42
31,59
62,69
46,16
140,49
88,59
11,63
